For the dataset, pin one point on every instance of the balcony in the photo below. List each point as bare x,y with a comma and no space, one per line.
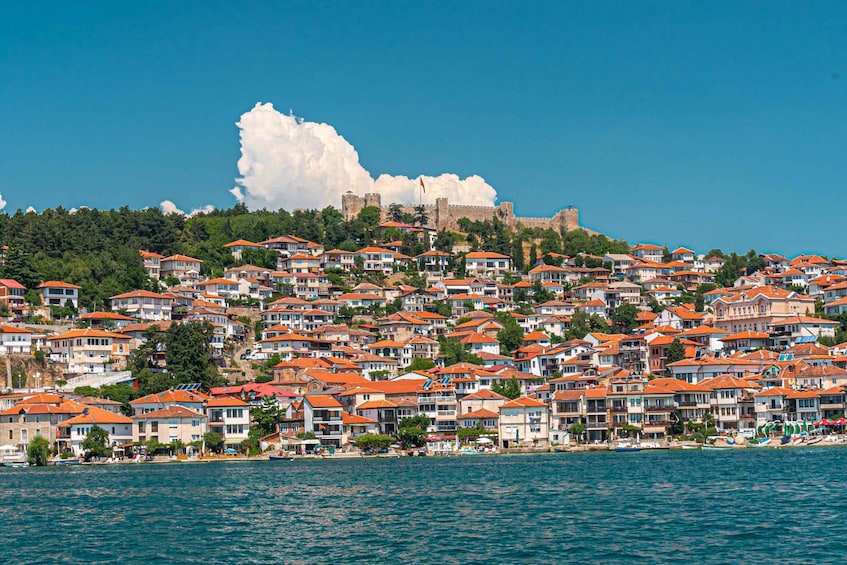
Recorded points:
659,408
617,409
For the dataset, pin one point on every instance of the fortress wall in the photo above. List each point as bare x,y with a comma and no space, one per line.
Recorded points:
443,215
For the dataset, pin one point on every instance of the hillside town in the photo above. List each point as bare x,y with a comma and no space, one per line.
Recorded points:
336,346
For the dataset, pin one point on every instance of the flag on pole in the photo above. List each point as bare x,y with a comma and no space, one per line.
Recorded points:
423,187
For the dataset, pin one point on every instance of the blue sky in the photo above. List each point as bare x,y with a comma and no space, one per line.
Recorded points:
718,124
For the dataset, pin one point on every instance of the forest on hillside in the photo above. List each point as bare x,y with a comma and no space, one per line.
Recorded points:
98,249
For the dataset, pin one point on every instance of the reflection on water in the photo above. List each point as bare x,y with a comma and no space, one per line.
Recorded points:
637,507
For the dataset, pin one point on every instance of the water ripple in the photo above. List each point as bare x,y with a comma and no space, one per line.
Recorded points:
655,507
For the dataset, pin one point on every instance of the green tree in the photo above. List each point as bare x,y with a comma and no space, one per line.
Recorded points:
510,336
420,364
395,212
38,451
421,216
510,389
577,430
421,421
699,302
213,440
189,355
411,437
454,352
265,417
96,443
624,317
579,327
372,442
676,352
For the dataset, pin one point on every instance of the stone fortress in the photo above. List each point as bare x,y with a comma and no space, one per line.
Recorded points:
445,216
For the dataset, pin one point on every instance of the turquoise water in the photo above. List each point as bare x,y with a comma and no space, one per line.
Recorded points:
782,506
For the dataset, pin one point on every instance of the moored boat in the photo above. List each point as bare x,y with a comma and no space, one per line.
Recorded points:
716,448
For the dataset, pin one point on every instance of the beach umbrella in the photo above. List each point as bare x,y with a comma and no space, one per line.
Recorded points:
805,426
840,421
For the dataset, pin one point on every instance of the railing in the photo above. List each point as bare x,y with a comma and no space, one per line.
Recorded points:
658,408
617,409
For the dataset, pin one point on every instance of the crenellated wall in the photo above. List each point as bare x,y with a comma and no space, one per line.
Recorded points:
443,215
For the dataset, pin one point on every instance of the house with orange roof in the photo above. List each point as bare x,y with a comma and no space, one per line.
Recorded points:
833,402
523,421
58,293
192,400
801,329
747,340
185,269
73,431
169,424
36,415
487,263
804,406
299,263
106,320
481,343
758,308
230,417
338,259
683,254
151,262
143,305
376,259
696,370
219,286
692,401
433,261
238,246
548,273
679,318
322,414
14,339
12,295
657,351
437,400
89,351
648,251
771,405
287,244
382,412
732,402
482,418
567,407
483,399
353,426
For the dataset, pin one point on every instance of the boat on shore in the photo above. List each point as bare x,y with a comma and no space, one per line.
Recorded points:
15,464
66,462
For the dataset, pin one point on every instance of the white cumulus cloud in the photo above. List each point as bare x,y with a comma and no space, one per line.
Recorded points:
168,207
2,202
287,162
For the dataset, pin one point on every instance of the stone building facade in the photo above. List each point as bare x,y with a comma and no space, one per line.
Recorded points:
445,216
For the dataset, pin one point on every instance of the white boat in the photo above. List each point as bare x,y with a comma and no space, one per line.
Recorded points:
716,448
690,447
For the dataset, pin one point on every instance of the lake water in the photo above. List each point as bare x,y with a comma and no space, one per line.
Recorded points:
779,506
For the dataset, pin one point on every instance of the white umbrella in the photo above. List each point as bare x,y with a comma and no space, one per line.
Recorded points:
484,440
8,447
